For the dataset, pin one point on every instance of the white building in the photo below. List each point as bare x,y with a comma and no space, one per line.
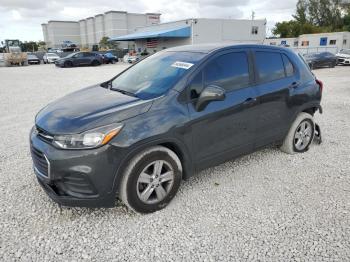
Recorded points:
309,43
88,32
55,32
196,31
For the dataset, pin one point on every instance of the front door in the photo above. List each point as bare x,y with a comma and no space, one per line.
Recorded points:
78,59
223,129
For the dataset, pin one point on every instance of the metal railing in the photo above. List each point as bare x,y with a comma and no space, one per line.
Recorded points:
308,50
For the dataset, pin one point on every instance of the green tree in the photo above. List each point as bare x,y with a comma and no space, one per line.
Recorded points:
301,13
315,16
106,44
325,13
30,46
293,28
346,22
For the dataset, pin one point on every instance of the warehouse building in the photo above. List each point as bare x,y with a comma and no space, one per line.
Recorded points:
88,32
55,32
195,31
310,43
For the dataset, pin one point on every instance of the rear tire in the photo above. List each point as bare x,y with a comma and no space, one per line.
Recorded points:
151,180
300,135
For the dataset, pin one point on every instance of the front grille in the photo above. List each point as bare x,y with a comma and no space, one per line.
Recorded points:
40,162
43,135
340,60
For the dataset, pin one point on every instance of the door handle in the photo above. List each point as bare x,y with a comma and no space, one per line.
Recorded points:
249,101
294,85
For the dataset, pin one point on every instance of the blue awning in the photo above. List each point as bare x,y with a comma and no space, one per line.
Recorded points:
177,32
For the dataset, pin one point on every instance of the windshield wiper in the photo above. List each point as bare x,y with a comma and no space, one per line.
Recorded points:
124,92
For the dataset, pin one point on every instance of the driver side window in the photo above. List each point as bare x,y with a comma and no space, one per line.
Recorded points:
79,55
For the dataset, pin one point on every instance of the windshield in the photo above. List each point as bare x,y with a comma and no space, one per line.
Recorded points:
345,51
156,74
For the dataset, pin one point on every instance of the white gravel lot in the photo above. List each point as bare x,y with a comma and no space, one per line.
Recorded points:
266,206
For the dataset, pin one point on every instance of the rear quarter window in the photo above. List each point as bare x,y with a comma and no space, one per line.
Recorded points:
288,66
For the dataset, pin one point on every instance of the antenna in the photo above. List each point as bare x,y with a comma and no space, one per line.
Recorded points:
253,15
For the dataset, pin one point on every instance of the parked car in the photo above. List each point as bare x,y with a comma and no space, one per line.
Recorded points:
50,58
133,58
109,58
323,59
55,50
343,57
33,59
137,135
80,59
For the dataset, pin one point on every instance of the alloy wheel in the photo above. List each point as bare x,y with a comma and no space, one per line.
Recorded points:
303,135
155,182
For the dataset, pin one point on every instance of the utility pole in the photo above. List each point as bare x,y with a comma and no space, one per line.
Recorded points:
253,15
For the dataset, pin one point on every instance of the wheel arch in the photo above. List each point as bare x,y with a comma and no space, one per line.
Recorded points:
174,145
310,108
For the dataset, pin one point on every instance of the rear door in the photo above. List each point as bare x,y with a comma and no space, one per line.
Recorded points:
323,59
226,128
87,58
275,76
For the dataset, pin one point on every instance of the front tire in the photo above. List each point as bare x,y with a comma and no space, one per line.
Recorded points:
68,64
300,135
151,180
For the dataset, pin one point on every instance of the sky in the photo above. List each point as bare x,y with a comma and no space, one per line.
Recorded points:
22,19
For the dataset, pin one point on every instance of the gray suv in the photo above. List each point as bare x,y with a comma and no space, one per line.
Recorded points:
139,134
80,59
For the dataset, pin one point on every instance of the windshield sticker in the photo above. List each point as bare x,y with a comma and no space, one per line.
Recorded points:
182,65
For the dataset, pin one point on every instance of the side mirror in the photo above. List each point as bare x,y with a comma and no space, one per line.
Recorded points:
210,93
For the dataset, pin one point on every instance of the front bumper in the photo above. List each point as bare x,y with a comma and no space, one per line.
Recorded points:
343,61
83,178
59,63
33,62
51,60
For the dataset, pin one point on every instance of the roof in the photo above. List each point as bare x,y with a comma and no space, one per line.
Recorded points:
60,21
112,11
326,34
174,32
208,48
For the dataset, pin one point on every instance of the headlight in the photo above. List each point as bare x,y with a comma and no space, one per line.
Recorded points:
89,139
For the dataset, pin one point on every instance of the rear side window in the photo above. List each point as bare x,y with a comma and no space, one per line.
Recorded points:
269,65
229,71
288,66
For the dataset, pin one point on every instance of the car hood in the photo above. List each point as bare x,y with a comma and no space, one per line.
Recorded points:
89,108
343,55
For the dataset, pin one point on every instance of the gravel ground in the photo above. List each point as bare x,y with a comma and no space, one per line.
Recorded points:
266,206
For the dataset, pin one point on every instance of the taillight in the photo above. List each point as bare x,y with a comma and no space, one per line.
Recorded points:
320,84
